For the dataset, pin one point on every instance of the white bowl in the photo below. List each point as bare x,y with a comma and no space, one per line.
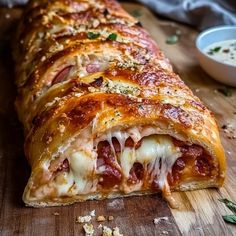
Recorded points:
220,71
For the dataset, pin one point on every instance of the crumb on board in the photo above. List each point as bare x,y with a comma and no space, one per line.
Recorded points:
83,219
116,232
164,232
106,231
159,219
92,213
109,232
229,131
86,218
101,218
56,214
88,229
99,226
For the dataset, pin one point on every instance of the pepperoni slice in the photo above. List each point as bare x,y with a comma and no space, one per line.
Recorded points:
177,169
93,68
130,143
64,166
62,75
116,145
202,166
104,152
155,185
192,157
111,176
193,151
136,173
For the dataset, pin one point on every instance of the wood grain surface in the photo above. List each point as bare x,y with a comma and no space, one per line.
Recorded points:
200,212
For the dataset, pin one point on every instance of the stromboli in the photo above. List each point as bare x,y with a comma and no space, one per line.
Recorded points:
104,114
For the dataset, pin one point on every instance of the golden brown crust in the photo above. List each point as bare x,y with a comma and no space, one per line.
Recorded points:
70,72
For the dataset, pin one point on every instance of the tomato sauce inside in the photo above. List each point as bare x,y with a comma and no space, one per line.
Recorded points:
111,175
194,163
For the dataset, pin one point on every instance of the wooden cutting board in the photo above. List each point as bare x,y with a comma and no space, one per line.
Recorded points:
200,212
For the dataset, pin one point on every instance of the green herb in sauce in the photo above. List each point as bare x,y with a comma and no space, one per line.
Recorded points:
223,51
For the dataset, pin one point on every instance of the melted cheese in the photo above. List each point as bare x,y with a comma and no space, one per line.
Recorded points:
63,182
82,166
157,154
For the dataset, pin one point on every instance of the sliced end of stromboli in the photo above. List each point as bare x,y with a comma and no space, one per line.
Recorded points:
122,162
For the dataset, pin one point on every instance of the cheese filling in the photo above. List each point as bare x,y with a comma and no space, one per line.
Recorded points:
157,154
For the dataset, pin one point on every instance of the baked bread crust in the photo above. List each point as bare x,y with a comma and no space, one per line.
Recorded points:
88,63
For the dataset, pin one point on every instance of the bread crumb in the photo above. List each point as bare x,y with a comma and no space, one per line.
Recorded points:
165,232
110,218
101,218
116,232
88,229
100,226
159,219
56,214
106,231
109,232
92,213
83,219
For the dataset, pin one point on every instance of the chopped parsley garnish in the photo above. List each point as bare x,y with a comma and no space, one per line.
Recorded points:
232,206
112,37
172,39
214,50
230,218
92,35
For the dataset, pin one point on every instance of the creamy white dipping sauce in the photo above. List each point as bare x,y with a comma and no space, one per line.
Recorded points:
223,51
